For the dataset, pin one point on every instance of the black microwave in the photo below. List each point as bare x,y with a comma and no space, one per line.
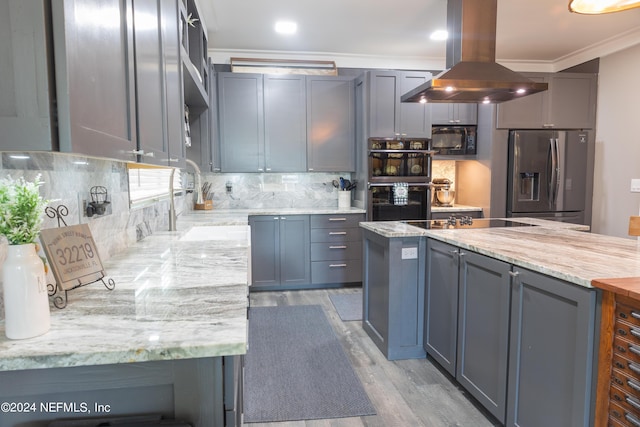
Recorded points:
453,140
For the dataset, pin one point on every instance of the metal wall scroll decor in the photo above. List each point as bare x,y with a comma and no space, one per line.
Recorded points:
72,255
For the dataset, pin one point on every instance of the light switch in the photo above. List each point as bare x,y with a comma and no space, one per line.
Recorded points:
635,185
410,253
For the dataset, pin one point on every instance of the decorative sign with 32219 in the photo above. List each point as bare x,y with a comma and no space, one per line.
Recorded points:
73,255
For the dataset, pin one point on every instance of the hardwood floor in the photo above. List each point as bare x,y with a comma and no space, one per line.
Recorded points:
404,393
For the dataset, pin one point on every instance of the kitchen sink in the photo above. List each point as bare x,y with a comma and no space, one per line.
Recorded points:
216,232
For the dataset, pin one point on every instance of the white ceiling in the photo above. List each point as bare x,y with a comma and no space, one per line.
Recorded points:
533,35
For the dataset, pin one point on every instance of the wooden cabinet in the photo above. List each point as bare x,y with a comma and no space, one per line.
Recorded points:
569,103
551,351
330,124
387,116
454,114
482,315
336,249
280,251
393,294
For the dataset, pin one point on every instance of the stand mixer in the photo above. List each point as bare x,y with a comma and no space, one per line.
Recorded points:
443,195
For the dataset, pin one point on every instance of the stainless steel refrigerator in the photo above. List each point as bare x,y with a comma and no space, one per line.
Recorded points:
547,174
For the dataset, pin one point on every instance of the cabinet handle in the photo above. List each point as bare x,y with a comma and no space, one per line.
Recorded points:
635,332
173,159
276,217
282,217
136,152
514,273
310,169
334,233
337,265
632,402
633,420
634,349
337,219
633,384
338,247
259,169
453,252
635,314
635,368
548,125
268,169
151,154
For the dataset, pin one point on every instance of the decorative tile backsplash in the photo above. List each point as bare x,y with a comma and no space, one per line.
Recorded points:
445,169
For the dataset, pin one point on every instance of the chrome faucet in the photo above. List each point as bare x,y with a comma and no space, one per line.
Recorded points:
173,217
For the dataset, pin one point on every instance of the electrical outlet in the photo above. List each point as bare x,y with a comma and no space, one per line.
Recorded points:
635,185
229,187
410,253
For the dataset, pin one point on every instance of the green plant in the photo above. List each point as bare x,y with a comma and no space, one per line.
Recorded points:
21,209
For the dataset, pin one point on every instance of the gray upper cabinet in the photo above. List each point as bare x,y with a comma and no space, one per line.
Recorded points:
241,122
387,116
569,103
330,124
25,89
95,79
285,126
454,114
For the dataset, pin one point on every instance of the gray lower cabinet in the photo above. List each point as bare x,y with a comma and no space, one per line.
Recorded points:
336,249
441,304
520,342
393,294
331,135
280,251
551,352
483,329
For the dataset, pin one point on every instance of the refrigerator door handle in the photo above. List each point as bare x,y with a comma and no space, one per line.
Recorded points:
556,184
552,180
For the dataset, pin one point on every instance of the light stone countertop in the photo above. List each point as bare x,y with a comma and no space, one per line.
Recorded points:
174,299
556,249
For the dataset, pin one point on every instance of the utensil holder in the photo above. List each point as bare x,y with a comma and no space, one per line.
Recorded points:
344,199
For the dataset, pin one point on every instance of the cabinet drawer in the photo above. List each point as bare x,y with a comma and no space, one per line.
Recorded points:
336,271
628,402
336,252
623,416
629,368
627,349
336,221
628,314
630,385
627,331
334,235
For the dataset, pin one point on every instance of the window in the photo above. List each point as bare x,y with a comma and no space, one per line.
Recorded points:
149,184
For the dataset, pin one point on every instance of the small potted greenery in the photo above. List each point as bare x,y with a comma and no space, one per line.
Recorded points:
26,302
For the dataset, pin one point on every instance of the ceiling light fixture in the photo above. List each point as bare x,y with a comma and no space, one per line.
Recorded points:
286,27
594,7
439,35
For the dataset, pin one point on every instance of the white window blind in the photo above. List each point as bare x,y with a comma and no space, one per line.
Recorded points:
149,184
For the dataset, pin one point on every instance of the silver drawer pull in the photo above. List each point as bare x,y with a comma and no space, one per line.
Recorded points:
338,247
634,385
633,420
336,233
635,368
337,219
635,314
634,349
635,332
337,265
632,402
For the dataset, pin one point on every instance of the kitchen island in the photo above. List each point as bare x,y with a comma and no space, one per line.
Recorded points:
509,312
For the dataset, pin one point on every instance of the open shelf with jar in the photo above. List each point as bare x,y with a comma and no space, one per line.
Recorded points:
195,63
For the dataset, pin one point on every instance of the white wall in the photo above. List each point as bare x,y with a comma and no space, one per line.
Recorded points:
617,142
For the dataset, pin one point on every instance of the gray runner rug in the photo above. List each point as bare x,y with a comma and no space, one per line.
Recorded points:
348,306
296,369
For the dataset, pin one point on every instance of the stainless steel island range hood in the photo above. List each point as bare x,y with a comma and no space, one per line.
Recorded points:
472,73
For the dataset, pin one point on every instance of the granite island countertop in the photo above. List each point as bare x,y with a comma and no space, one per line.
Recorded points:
556,249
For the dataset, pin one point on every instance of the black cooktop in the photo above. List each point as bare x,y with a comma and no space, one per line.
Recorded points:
441,224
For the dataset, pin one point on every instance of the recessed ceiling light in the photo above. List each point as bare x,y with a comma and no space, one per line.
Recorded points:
286,27
520,91
423,100
449,89
439,35
486,100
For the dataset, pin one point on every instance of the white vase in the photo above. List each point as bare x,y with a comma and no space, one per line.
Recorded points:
26,302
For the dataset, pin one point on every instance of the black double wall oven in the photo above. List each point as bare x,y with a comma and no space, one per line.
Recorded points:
399,179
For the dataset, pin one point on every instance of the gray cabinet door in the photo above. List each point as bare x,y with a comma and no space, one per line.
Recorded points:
330,124
415,118
265,250
384,111
454,114
572,101
95,81
441,304
285,123
295,250
241,120
550,352
524,113
25,88
483,330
